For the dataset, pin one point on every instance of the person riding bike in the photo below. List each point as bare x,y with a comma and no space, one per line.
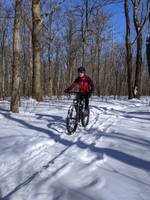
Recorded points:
86,87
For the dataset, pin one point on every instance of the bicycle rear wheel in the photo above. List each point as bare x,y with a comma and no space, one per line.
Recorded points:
72,120
85,117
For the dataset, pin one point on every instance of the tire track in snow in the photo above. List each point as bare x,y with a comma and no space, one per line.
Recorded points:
29,158
57,170
34,154
99,124
85,156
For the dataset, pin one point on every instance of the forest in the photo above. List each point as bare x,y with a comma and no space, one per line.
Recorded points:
43,42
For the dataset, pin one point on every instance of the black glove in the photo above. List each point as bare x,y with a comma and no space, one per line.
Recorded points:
66,90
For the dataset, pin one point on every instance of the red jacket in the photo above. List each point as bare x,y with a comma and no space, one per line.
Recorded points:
84,83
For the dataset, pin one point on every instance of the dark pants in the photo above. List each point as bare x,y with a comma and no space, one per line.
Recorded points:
82,97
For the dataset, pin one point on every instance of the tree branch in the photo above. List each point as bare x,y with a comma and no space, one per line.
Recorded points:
54,9
7,17
141,28
132,2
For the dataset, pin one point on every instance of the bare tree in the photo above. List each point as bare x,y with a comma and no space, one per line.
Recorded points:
99,24
139,18
148,45
81,33
5,27
16,58
36,38
2,68
128,49
71,45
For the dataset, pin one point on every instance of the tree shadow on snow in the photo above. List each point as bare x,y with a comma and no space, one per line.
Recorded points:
121,136
34,175
113,111
128,159
4,109
118,155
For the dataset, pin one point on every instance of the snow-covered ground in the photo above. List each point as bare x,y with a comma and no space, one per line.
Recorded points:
107,160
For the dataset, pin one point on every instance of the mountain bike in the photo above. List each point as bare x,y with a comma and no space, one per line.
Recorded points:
76,114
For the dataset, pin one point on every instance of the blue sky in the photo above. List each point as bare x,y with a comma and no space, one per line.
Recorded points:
8,2
118,19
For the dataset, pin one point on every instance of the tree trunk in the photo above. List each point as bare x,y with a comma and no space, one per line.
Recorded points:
129,50
148,46
84,29
137,84
36,20
148,53
70,51
50,89
2,67
16,58
98,63
83,41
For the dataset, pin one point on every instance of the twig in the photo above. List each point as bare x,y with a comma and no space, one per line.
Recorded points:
7,17
54,9
146,18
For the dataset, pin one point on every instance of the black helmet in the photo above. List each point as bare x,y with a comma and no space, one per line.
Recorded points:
81,70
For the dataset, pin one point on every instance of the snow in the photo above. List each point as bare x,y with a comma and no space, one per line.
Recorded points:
107,160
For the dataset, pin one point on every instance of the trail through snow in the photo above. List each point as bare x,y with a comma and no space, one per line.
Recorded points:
107,160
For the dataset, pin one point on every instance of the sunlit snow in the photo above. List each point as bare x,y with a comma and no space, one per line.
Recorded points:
107,160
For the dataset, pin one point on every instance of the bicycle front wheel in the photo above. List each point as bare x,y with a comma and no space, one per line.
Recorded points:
72,120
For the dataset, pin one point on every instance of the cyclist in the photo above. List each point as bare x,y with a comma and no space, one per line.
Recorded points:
86,87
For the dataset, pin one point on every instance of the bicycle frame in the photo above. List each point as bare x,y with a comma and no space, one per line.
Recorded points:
76,114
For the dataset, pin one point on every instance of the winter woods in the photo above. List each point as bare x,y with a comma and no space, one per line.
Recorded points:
43,42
